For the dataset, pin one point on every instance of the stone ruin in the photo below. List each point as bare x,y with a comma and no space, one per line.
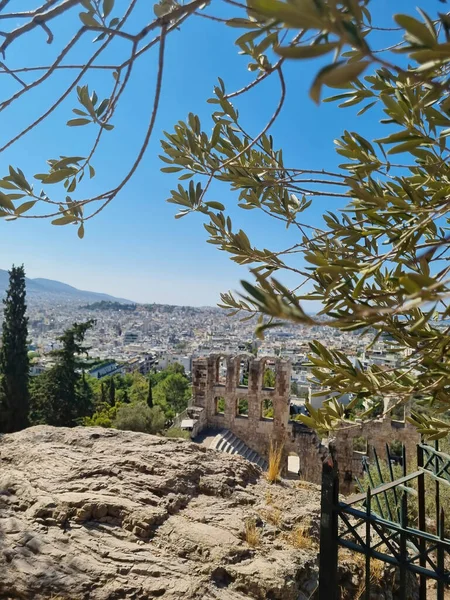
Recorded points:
224,384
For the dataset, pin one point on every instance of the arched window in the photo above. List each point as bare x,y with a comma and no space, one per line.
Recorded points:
243,373
219,404
267,409
396,451
242,407
221,371
293,465
398,414
360,444
269,375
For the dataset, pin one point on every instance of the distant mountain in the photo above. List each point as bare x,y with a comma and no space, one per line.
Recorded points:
48,289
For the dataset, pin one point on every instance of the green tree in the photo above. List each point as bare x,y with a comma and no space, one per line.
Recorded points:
102,393
138,388
150,394
104,416
112,392
173,392
175,368
58,396
14,361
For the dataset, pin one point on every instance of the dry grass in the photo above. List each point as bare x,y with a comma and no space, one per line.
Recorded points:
275,458
376,572
272,515
376,577
300,537
269,498
252,535
306,485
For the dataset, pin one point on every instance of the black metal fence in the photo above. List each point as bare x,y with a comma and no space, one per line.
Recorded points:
397,518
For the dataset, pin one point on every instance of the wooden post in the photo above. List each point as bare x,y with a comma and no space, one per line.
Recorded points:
328,557
421,524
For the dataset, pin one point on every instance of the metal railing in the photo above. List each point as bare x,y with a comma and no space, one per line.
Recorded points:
389,521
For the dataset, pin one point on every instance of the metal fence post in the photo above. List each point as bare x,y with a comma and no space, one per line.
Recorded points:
328,557
368,543
421,523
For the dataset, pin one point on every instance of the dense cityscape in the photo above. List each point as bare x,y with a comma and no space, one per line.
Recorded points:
131,337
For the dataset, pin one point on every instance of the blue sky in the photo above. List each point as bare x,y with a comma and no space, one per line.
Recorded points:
135,248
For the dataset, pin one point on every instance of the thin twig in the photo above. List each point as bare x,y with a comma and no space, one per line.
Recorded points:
38,19
150,128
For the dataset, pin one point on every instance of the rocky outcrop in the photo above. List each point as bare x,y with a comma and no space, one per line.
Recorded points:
90,513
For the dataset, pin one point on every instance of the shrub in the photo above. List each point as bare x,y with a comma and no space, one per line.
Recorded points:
104,416
139,417
176,432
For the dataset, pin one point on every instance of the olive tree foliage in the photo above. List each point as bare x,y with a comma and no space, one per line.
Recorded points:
380,265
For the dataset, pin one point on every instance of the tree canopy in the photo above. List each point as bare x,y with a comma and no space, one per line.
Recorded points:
381,264
61,396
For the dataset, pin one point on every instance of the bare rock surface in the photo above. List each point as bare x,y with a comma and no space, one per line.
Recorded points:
91,513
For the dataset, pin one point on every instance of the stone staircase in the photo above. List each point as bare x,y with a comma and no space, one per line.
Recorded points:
226,441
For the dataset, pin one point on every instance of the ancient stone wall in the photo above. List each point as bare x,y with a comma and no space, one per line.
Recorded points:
224,386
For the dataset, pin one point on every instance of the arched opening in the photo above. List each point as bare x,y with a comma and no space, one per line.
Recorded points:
267,409
243,373
269,375
398,414
293,465
219,403
360,444
396,452
221,371
242,407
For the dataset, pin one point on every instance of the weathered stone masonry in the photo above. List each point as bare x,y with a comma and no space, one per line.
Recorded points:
257,431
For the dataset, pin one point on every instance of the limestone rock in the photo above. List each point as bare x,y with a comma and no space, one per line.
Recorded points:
90,513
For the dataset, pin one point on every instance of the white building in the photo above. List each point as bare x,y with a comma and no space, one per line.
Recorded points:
166,359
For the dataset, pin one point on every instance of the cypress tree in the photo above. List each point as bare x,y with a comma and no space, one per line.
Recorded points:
102,393
150,393
112,392
14,362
